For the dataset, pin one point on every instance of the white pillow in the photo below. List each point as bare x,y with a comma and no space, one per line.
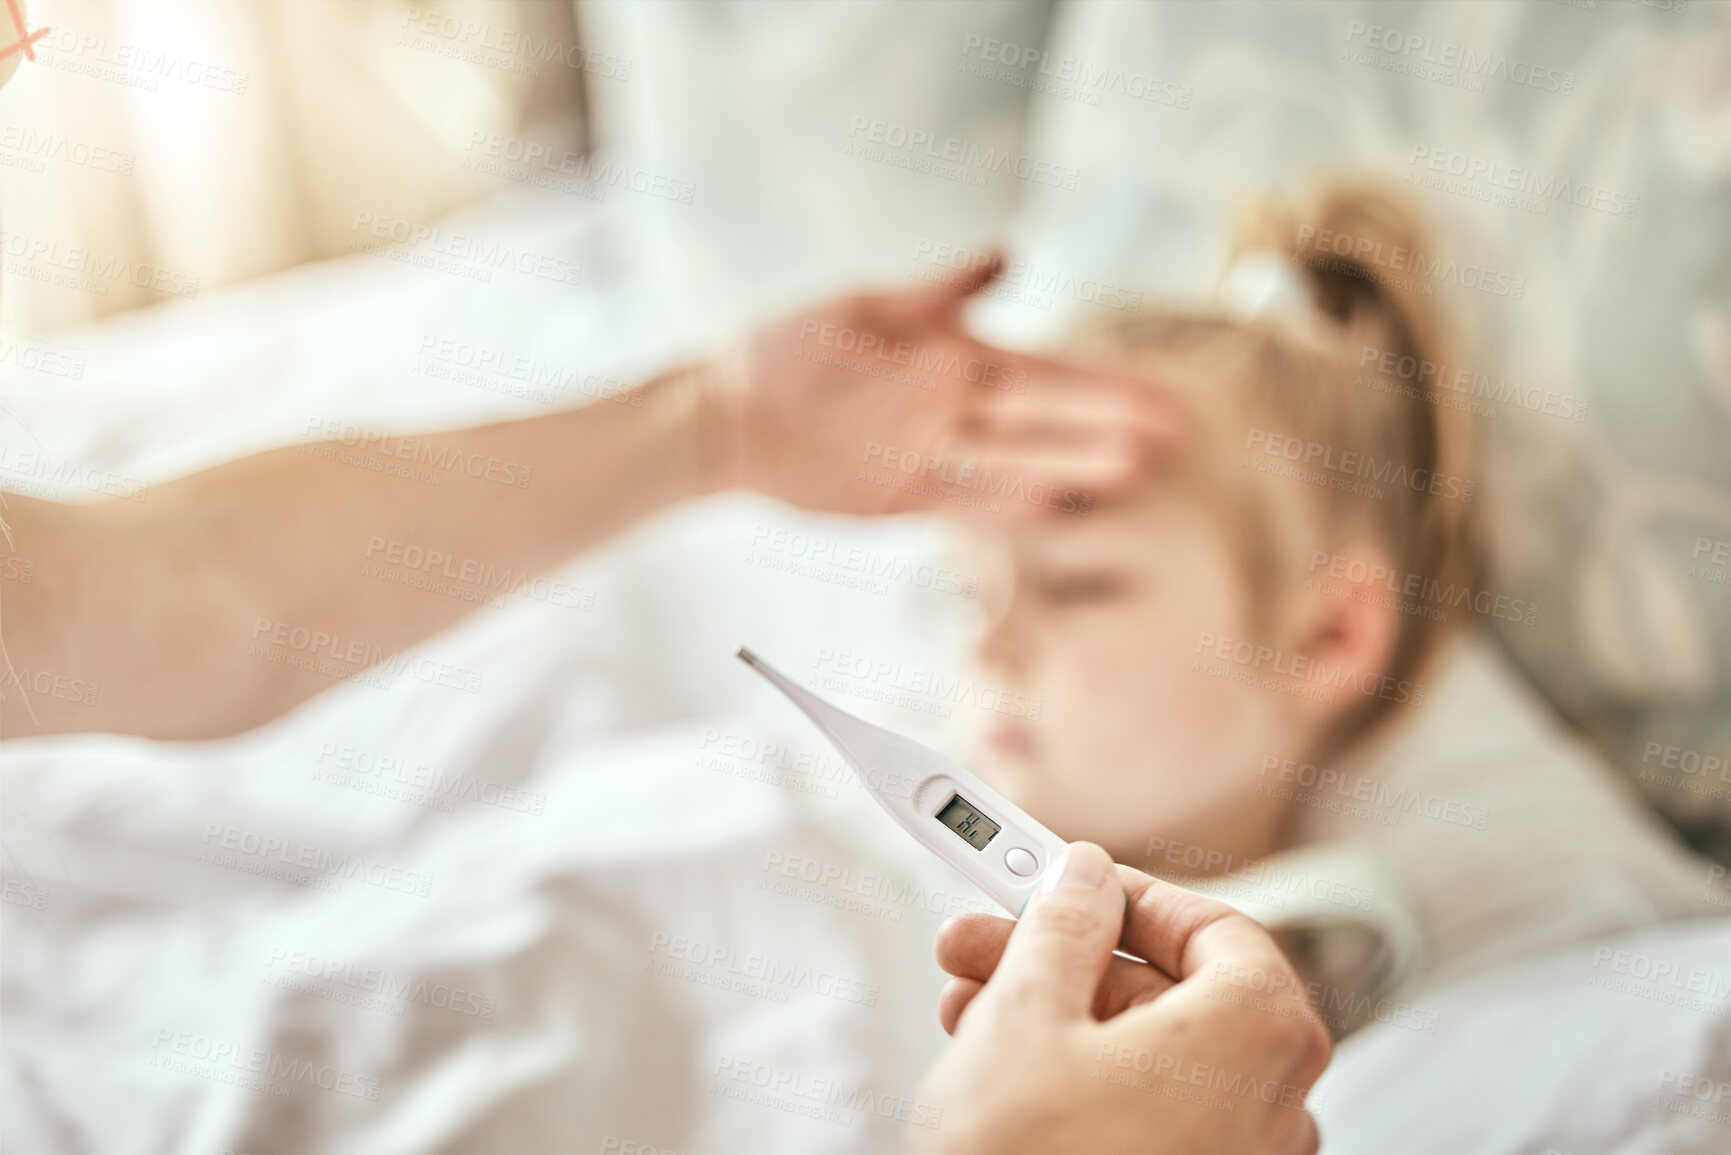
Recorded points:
1621,1045
794,127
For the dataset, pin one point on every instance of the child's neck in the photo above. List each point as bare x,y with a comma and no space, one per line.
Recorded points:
1221,843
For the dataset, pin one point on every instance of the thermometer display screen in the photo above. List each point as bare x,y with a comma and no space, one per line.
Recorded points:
975,828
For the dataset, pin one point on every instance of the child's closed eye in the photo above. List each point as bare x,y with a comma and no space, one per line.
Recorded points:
1085,587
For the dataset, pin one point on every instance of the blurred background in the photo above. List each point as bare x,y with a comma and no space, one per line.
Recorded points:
224,142
231,226
162,153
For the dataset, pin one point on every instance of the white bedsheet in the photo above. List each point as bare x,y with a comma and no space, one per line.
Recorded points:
596,828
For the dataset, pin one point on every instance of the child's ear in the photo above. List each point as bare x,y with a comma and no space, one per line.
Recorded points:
1348,625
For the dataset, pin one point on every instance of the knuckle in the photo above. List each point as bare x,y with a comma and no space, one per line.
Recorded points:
1302,1137
1308,1045
956,997
1212,911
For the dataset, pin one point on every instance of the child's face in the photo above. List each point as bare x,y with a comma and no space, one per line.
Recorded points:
1097,622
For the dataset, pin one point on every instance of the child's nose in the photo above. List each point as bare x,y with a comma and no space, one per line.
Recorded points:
1003,646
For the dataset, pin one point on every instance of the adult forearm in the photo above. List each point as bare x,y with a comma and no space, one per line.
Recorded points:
230,595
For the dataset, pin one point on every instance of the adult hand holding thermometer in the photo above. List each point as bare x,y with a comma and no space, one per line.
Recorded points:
987,838
1060,1045
1061,1011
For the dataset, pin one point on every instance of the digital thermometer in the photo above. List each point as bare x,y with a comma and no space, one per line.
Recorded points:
955,815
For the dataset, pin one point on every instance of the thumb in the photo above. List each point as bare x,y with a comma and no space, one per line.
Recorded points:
1058,952
941,303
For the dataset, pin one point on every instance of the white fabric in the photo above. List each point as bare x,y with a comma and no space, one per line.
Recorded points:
1622,1045
1507,836
789,120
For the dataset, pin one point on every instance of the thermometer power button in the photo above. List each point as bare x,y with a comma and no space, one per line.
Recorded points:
1020,862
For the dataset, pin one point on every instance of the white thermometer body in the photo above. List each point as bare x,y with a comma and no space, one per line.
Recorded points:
954,815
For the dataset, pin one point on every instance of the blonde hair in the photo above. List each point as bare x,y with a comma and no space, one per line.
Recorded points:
1351,373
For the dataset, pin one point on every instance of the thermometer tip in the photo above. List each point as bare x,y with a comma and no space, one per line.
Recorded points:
746,656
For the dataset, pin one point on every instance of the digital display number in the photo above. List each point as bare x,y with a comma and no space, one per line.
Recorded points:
975,828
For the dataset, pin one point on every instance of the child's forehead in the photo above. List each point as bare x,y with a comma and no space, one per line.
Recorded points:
1176,517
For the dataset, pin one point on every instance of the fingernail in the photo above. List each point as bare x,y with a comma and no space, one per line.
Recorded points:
1082,866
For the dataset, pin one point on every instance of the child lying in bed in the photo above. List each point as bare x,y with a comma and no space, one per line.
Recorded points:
1264,671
